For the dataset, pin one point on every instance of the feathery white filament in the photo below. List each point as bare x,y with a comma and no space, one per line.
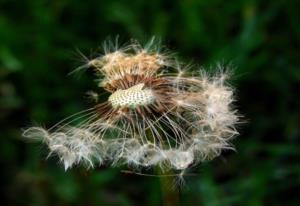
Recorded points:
132,97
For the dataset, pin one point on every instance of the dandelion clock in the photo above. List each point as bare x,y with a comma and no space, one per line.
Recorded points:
157,113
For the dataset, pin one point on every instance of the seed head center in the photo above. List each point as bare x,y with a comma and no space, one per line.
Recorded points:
132,97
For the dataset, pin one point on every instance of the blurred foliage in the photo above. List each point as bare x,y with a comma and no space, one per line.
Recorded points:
38,40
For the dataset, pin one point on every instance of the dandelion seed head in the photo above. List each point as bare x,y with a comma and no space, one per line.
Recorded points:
153,116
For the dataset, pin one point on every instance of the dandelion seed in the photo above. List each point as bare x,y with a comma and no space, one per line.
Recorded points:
156,114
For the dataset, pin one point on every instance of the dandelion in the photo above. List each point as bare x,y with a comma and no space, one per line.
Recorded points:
157,114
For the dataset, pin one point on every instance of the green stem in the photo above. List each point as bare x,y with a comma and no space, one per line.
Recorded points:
170,194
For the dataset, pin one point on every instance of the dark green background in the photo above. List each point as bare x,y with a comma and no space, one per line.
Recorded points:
38,40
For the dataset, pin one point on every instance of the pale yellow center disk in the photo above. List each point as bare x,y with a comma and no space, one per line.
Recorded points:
132,97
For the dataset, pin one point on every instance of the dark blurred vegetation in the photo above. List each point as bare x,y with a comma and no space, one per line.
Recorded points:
38,40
